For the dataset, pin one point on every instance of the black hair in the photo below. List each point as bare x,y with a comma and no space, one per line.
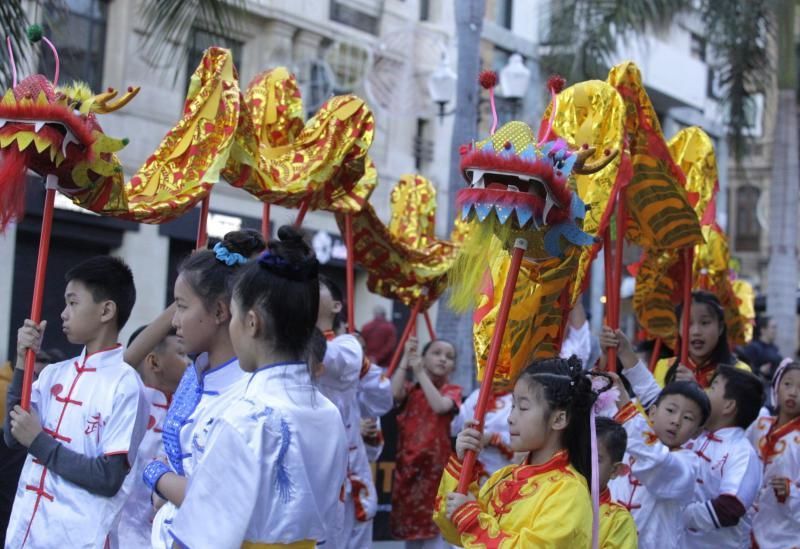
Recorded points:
721,354
283,288
160,346
427,346
565,386
745,389
211,278
690,390
613,436
107,278
762,322
336,295
317,347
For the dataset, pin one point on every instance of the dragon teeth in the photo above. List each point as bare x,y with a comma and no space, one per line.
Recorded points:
503,213
68,138
465,209
477,179
483,211
37,127
523,215
513,188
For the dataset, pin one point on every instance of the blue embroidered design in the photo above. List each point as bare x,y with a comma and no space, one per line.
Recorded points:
282,480
185,400
206,428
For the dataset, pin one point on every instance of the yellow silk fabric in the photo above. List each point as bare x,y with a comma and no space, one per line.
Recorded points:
405,260
617,528
549,510
186,164
280,161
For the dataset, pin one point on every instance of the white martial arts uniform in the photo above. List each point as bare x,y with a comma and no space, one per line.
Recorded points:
93,405
374,400
498,453
272,470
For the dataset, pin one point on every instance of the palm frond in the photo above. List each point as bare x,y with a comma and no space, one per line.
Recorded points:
584,34
13,24
739,34
168,24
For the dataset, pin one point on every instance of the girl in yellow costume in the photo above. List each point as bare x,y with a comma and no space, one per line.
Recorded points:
543,502
708,344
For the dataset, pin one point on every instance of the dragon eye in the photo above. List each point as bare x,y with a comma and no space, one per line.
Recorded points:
559,164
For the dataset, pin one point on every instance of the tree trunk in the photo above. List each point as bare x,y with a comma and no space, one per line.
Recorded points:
469,23
783,191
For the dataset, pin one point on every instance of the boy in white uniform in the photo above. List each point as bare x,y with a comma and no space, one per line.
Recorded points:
729,472
662,476
343,363
88,416
374,400
160,371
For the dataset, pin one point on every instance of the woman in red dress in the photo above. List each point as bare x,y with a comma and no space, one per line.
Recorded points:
426,408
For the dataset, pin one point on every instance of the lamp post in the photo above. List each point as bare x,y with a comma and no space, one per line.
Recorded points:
442,86
514,81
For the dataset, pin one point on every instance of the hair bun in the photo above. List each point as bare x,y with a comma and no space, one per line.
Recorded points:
246,242
289,234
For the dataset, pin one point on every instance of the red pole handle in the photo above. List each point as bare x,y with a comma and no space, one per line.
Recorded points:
428,322
398,352
611,319
520,246
202,232
656,354
688,261
265,221
38,284
301,215
351,273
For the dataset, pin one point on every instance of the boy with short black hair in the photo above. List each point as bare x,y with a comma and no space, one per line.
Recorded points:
87,418
161,371
662,474
729,472
617,528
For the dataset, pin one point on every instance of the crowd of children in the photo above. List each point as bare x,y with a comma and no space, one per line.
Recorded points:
265,436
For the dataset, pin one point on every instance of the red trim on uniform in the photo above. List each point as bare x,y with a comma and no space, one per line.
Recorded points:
626,412
39,490
115,346
358,488
605,496
774,435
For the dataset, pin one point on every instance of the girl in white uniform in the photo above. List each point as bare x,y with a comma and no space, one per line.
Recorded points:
210,385
776,521
274,463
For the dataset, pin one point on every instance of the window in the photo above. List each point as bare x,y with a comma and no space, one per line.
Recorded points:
342,13
78,30
200,40
424,10
748,229
504,12
697,47
423,146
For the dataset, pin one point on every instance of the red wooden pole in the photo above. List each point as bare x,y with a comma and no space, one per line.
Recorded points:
428,322
608,266
38,284
656,354
202,232
398,352
265,221
520,246
351,273
688,261
301,215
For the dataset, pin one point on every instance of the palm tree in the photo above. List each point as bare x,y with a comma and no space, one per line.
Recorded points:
783,191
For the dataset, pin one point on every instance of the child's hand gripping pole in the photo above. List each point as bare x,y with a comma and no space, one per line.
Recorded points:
51,184
520,247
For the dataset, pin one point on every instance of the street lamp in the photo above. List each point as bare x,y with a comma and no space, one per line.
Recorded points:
442,86
514,80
